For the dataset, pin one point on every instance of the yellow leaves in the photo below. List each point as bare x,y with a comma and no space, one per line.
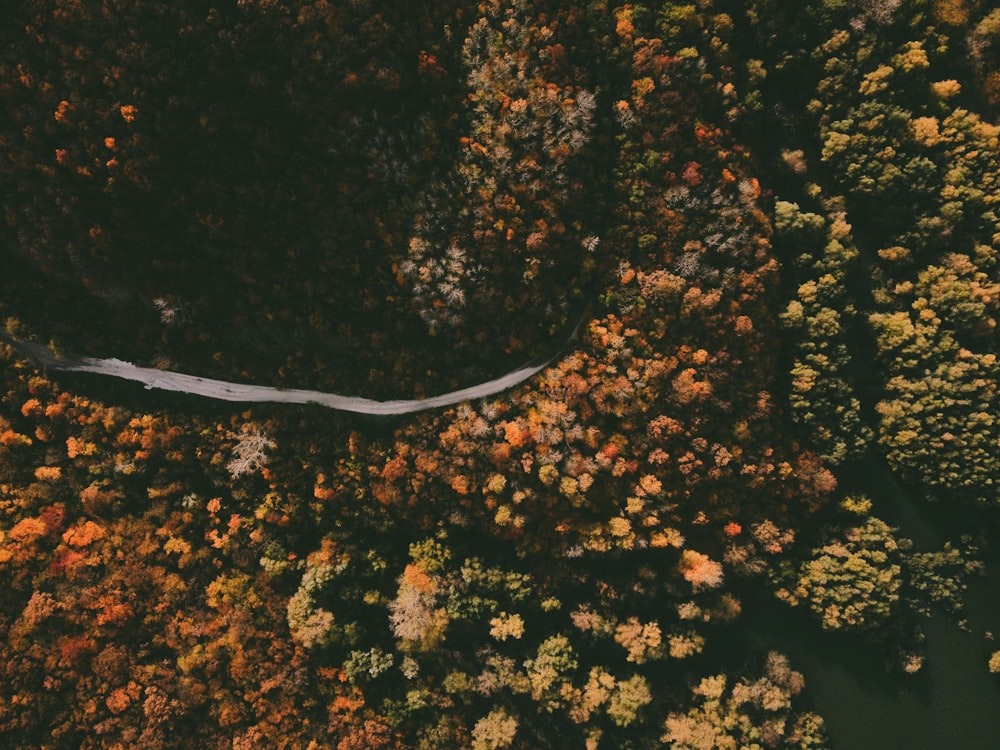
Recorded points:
76,447
496,483
650,485
894,254
667,538
994,663
503,515
507,626
926,130
807,292
951,12
914,58
548,474
803,378
642,86
683,645
620,526
623,22
596,692
634,505
176,546
946,89
569,487
688,388
875,81
641,640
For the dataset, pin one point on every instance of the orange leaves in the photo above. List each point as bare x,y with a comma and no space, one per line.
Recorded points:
623,22
650,484
31,408
394,469
500,453
73,649
76,447
344,704
62,113
10,437
415,577
111,610
27,530
48,473
83,534
427,65
663,426
692,174
121,698
325,494
688,388
516,433
743,325
128,112
642,86
700,570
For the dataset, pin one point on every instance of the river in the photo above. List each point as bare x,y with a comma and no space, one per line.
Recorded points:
224,390
952,703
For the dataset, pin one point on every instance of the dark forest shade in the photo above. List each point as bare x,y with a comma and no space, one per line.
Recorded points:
782,229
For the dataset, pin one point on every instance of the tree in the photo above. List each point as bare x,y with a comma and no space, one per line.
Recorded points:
750,712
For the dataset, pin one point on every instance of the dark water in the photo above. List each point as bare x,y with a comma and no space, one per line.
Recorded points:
953,703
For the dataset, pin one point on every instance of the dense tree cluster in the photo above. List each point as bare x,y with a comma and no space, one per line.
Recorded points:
890,132
780,229
865,574
823,395
751,713
268,191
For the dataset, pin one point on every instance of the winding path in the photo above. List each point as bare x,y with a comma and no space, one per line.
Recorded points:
168,380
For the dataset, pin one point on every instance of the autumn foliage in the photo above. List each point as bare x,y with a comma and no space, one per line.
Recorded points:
385,202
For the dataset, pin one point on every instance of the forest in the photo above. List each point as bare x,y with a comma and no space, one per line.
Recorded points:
779,224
